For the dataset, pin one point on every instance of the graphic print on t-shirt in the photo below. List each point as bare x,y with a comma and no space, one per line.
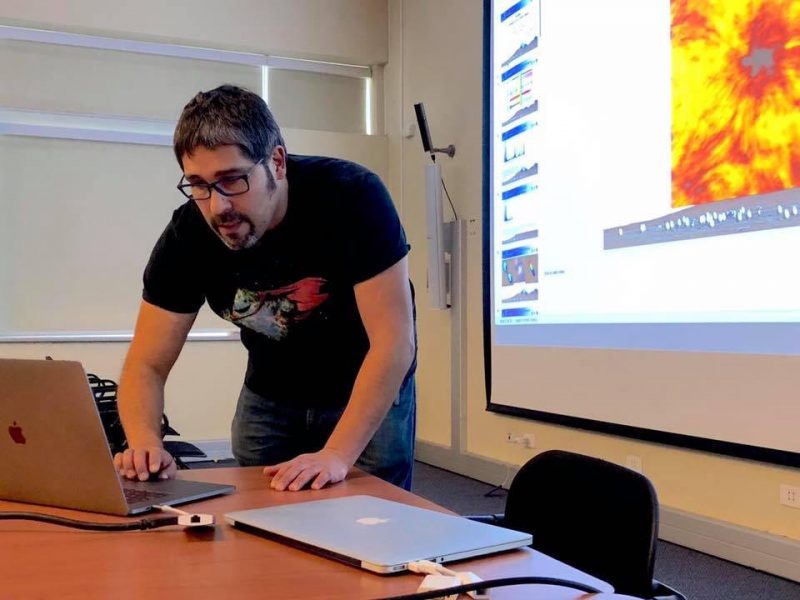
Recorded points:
273,312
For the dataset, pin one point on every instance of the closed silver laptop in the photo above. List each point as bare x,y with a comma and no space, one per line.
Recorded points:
376,534
53,449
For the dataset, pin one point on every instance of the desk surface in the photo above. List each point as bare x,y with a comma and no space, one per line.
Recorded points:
40,560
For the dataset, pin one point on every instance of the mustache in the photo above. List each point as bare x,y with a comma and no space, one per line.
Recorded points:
229,219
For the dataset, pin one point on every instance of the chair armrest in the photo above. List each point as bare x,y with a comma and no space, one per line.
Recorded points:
662,591
495,519
182,449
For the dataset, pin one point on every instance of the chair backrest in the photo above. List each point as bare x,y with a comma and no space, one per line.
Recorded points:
599,517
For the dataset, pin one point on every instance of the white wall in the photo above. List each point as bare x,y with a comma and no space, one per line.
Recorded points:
348,31
203,388
202,391
107,82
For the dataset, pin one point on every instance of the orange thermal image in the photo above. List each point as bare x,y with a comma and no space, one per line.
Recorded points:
735,98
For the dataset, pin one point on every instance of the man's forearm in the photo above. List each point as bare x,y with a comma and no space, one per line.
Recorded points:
375,388
141,404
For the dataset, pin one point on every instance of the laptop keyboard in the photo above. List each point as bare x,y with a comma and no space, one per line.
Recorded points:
134,495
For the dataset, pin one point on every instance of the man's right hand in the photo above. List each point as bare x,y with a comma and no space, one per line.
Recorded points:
140,463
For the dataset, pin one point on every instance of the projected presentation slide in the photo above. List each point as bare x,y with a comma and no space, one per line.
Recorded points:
645,167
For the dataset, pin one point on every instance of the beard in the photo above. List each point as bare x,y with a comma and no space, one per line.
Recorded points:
232,217
237,241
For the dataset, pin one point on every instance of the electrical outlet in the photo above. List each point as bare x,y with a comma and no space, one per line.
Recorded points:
634,462
528,440
790,495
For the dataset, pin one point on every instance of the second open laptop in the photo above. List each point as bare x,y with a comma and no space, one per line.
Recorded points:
376,534
53,449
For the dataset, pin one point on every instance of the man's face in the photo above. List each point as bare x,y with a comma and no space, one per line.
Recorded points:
239,220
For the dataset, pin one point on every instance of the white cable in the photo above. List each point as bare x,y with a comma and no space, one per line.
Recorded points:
440,577
430,567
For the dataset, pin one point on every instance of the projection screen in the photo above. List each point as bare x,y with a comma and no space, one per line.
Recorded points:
642,219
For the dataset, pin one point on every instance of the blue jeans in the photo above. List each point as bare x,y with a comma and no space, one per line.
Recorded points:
264,432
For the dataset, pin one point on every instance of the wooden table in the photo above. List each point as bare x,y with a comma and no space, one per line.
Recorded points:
46,561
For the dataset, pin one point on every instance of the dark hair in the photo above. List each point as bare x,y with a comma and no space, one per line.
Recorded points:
227,115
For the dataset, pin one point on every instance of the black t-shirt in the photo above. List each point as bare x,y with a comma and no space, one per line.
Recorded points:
291,294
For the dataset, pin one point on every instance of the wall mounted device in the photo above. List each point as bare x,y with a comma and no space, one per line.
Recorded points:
437,232
425,134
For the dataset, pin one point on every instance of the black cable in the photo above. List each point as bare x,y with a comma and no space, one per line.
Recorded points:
492,493
495,583
455,215
142,524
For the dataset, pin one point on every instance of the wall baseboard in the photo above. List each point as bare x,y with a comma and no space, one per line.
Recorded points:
470,465
756,549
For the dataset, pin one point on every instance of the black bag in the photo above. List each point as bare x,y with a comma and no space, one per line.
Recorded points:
105,396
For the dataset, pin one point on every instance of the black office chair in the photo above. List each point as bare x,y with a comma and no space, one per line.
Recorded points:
591,514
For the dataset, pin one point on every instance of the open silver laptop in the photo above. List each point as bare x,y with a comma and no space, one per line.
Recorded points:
376,534
53,449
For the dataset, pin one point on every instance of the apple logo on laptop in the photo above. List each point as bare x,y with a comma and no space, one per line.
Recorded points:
371,521
15,431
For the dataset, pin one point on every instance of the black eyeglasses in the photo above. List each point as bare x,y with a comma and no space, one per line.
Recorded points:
230,185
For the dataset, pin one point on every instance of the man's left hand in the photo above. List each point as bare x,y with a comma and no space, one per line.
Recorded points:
319,468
